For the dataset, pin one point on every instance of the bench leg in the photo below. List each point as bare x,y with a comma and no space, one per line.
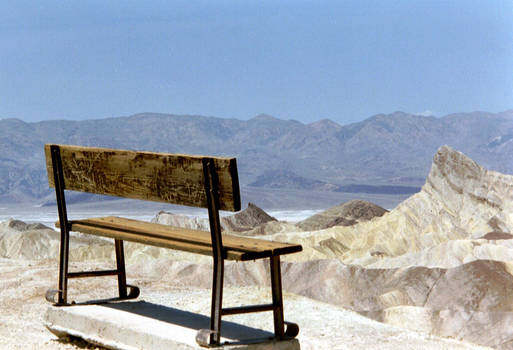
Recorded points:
120,264
212,336
292,329
63,269
125,291
62,291
277,297
282,329
217,302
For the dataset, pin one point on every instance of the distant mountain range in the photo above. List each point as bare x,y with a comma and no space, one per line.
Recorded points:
382,154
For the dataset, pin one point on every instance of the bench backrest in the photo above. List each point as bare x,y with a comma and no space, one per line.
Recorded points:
161,177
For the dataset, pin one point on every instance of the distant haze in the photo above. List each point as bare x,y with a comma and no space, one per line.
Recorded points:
300,163
293,59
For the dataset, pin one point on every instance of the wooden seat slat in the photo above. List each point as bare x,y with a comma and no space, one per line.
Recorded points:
233,242
155,241
254,248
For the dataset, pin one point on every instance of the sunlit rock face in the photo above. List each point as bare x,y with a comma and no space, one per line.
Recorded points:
472,301
440,262
245,220
177,220
460,201
345,214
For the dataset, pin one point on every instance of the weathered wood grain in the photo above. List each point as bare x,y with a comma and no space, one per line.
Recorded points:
161,177
155,241
236,248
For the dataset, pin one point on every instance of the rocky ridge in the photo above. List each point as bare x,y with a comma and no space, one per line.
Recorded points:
345,214
246,220
265,146
460,201
254,221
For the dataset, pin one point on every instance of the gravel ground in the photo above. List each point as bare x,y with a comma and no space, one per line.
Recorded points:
322,326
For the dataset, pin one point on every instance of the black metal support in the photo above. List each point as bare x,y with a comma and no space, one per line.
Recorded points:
277,297
101,273
126,291
213,335
120,263
248,309
65,227
63,220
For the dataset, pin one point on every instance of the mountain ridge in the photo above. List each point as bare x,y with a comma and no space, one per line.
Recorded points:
382,150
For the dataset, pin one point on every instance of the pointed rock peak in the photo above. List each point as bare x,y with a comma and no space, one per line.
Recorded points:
19,225
357,209
345,214
455,176
247,219
452,163
254,213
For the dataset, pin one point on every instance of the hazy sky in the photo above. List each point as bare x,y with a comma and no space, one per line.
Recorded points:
303,60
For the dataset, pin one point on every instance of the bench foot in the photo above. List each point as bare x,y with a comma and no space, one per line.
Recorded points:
133,293
292,330
52,296
203,337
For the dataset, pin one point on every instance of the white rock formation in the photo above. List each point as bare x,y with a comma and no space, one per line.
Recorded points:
459,201
177,220
246,220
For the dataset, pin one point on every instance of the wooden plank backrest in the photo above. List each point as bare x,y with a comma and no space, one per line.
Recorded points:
161,177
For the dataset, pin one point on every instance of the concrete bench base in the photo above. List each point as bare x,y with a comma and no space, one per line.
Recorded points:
142,325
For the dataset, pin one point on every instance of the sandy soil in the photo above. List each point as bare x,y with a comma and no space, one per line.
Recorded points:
323,326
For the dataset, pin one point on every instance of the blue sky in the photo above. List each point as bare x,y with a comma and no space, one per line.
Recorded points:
303,60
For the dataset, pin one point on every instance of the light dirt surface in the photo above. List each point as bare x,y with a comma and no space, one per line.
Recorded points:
22,306
322,326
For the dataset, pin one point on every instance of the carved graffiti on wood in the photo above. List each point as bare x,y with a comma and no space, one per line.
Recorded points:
162,177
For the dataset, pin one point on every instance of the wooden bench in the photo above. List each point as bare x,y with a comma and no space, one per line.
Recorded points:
206,182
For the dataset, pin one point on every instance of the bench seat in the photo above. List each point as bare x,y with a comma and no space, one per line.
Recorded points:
194,241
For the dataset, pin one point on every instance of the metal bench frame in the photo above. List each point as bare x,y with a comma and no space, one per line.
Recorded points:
205,337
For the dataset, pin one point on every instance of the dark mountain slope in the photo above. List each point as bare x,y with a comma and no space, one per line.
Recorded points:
382,150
